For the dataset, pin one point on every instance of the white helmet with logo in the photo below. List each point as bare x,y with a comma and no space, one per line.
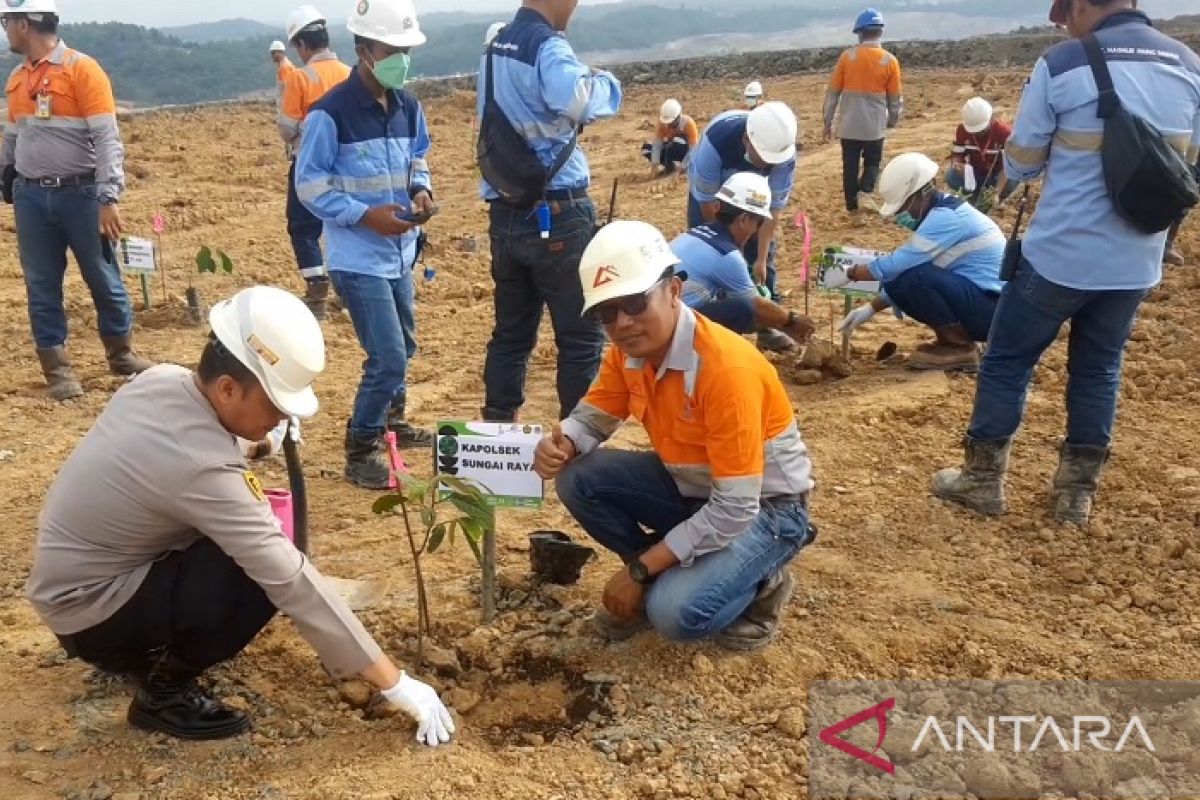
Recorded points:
753,90
747,191
302,18
624,257
977,115
670,112
904,176
772,131
277,338
393,22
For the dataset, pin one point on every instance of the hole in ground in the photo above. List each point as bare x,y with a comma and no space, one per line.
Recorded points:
541,696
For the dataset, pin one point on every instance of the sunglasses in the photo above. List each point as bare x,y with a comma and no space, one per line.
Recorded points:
632,305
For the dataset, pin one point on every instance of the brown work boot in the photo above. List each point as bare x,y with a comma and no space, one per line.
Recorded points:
59,375
316,296
759,623
953,350
979,483
1076,481
121,358
611,628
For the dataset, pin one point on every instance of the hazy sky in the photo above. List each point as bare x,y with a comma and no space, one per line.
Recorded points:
178,12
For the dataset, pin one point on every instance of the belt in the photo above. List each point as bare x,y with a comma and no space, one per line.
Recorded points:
558,199
788,500
65,180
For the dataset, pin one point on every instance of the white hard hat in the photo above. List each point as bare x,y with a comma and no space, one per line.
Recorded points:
624,257
301,18
393,22
904,176
492,30
30,7
669,112
277,338
977,115
753,89
772,131
748,191
278,46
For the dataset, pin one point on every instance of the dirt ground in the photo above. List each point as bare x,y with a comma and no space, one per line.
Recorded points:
897,586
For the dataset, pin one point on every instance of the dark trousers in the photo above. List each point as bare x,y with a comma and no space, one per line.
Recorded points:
858,154
938,297
305,230
530,272
197,602
672,154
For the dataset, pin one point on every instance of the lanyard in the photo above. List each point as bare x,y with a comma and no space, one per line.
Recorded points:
35,79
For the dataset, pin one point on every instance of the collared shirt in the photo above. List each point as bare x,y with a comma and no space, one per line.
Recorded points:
80,135
722,152
954,236
715,266
355,155
304,86
983,150
866,87
546,93
719,418
1075,238
157,472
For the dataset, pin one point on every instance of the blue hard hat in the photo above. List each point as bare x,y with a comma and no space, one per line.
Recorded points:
871,18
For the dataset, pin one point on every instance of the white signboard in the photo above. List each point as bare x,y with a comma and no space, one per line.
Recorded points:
136,255
496,455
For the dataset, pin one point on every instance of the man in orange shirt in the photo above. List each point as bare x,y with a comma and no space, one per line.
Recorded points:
301,87
675,137
865,95
706,523
62,159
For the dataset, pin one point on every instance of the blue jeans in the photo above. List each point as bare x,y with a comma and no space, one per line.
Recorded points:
956,180
48,222
1028,318
750,251
382,312
938,297
531,272
304,229
614,493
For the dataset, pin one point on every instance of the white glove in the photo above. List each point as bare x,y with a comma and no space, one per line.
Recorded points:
836,277
421,702
855,318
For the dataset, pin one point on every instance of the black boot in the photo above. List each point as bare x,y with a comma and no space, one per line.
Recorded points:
316,296
489,414
406,434
1077,480
170,701
366,461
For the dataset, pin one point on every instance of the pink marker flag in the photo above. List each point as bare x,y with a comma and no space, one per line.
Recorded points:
160,223
806,250
398,465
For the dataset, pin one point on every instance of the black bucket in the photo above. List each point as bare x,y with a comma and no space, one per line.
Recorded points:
554,558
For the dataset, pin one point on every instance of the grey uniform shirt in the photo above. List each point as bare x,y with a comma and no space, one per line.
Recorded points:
154,474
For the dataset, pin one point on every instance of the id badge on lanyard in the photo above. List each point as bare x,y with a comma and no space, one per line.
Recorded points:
43,106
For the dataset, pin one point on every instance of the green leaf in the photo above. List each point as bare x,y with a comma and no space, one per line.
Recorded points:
415,490
472,529
462,486
428,517
387,504
226,263
204,260
482,514
436,537
475,549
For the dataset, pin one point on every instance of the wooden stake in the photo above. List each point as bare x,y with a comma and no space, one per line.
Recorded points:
488,580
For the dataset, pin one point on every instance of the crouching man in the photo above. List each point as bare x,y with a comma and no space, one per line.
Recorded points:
158,555
708,522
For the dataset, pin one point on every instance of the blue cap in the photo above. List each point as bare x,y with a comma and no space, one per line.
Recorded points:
871,18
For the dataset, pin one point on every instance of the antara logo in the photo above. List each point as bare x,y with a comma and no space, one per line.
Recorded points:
605,274
878,712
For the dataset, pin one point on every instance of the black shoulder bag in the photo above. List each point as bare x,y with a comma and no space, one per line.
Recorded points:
507,162
1151,185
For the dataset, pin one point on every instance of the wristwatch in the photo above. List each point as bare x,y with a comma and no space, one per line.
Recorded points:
639,573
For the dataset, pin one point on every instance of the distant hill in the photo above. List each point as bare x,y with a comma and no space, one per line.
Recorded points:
222,31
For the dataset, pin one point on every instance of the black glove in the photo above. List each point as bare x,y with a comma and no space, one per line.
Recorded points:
9,178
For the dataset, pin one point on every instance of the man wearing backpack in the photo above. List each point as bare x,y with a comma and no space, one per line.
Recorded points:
546,95
1081,260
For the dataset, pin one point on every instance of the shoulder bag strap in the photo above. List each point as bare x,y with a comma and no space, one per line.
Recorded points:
1109,102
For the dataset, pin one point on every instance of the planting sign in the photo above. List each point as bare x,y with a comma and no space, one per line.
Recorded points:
135,255
496,455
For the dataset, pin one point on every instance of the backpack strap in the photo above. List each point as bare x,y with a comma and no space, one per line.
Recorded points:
1109,101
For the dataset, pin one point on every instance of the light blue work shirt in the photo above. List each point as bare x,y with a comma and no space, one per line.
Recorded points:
715,266
722,152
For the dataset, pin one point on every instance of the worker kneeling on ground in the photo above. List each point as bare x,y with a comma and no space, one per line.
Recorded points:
977,156
158,555
717,282
946,276
706,523
674,138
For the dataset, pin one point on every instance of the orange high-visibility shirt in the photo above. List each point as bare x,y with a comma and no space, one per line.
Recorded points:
304,86
866,86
